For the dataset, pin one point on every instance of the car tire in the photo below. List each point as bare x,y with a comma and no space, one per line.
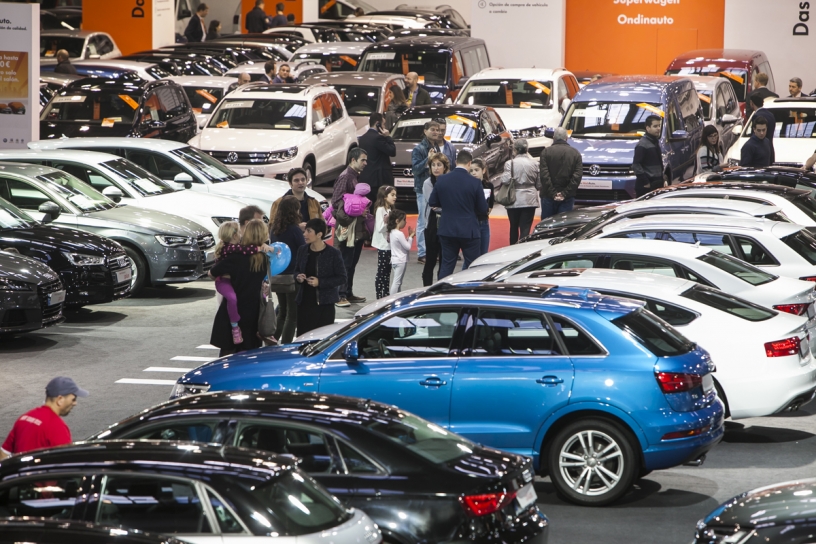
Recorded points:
310,173
723,398
138,267
583,477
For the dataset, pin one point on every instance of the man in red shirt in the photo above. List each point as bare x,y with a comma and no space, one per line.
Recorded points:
43,427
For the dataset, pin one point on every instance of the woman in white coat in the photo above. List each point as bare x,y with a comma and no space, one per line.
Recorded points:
523,168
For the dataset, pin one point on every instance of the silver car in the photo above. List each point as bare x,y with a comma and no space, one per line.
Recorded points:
163,248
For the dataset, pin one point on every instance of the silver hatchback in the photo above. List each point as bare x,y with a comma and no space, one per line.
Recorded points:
163,248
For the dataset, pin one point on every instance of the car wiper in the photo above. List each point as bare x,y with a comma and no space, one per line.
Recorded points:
557,240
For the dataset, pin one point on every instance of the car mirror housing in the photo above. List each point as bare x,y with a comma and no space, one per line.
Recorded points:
319,127
679,135
114,193
184,179
351,352
50,211
728,118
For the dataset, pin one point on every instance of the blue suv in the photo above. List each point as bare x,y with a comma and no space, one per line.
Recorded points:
596,389
606,119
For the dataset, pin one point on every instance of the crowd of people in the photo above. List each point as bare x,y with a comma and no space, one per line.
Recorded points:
257,20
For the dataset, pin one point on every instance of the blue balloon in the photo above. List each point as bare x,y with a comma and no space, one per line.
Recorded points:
280,258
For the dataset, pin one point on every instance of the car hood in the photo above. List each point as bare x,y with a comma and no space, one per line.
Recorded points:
509,254
141,219
574,218
50,238
25,269
474,273
191,203
234,139
600,151
404,150
519,118
257,190
68,129
772,505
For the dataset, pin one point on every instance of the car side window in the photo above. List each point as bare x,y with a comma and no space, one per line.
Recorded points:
356,462
321,109
640,264
689,110
89,176
24,195
103,44
722,101
412,335
188,431
568,262
53,497
471,62
152,503
643,235
563,92
577,341
498,127
753,252
170,103
513,334
719,242
481,56
224,515
673,118
311,447
336,107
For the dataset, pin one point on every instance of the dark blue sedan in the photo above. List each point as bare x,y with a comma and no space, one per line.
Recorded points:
596,389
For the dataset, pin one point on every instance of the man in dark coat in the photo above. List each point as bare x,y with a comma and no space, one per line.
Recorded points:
413,92
280,18
761,87
756,104
196,29
560,170
256,19
648,161
64,65
756,152
379,146
462,200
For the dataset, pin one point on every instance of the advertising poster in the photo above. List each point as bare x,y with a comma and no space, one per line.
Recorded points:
19,82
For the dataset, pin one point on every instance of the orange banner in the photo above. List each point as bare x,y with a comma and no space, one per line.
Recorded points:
13,74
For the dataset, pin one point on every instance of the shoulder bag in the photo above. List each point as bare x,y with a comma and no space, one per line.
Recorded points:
267,320
506,195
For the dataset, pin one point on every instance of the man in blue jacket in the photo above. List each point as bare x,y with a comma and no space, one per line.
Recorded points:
462,200
756,152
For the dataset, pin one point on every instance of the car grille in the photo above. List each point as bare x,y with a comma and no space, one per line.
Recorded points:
601,195
205,242
50,314
402,172
118,262
239,157
593,170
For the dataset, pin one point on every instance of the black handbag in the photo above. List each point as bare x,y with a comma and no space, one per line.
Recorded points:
284,283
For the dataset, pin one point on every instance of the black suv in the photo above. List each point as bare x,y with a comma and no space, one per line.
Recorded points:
92,107
86,263
31,295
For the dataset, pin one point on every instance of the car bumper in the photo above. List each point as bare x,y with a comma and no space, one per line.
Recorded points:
670,453
531,527
605,189
25,311
774,392
180,265
93,285
276,170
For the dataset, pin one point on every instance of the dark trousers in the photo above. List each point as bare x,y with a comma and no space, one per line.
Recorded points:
350,257
646,186
287,317
433,256
450,251
550,207
521,220
383,278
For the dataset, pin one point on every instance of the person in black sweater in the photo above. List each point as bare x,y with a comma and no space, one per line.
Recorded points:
285,228
246,272
756,152
648,161
320,271
256,19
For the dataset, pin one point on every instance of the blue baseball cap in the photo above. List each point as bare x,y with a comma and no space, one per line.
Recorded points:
62,386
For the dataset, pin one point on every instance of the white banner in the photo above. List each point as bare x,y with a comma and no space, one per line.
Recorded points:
521,34
19,74
785,30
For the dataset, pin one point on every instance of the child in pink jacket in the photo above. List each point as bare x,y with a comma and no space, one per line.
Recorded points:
355,204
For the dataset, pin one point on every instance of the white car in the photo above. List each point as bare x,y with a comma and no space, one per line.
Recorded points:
270,129
720,106
115,68
80,45
125,182
754,379
701,264
793,136
529,100
335,56
256,70
183,167
205,93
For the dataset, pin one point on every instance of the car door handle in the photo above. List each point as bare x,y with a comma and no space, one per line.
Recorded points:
550,380
433,381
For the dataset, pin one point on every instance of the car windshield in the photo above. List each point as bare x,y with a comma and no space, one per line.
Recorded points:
705,102
422,437
296,505
260,114
458,129
505,271
619,120
98,107
12,217
77,192
736,76
49,45
353,325
359,101
429,64
795,122
737,268
204,165
145,183
508,93
333,62
728,303
204,99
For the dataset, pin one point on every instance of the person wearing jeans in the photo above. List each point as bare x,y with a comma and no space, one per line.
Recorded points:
419,168
478,169
560,170
524,170
400,246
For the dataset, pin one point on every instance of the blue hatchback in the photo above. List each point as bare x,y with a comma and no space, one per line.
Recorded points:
596,389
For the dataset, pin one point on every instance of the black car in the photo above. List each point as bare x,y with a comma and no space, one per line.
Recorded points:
31,294
417,481
93,107
289,41
776,514
86,263
62,531
188,64
192,490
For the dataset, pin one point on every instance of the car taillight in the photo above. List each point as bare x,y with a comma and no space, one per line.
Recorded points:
795,309
808,278
782,348
486,504
686,434
673,382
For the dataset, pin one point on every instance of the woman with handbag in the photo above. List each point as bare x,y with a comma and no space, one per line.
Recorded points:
246,272
285,228
519,190
320,271
438,164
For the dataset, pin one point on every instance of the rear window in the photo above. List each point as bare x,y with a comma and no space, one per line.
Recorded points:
803,243
735,267
806,205
728,304
654,334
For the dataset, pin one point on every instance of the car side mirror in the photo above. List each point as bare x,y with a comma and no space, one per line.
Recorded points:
114,193
152,124
50,211
549,132
94,56
679,135
202,123
492,139
728,119
319,127
351,352
184,179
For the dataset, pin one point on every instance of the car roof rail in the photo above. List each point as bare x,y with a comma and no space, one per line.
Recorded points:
489,288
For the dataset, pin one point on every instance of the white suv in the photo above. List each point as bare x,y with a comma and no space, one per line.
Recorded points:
528,100
269,129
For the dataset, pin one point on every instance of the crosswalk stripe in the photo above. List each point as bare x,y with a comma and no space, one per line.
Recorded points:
193,359
146,382
167,369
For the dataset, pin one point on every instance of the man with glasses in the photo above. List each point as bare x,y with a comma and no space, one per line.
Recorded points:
352,247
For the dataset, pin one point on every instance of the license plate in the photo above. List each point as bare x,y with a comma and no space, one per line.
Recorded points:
123,275
526,496
56,297
209,256
589,183
404,182
708,382
241,171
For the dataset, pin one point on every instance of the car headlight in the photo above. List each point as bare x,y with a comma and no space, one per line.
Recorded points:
282,155
187,389
532,132
80,259
173,241
13,285
733,162
221,220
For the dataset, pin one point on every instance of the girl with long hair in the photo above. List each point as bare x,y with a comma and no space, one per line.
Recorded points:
438,164
285,228
710,156
478,169
383,206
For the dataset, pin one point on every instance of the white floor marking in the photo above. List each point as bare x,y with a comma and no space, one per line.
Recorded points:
146,382
167,369
207,346
193,359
